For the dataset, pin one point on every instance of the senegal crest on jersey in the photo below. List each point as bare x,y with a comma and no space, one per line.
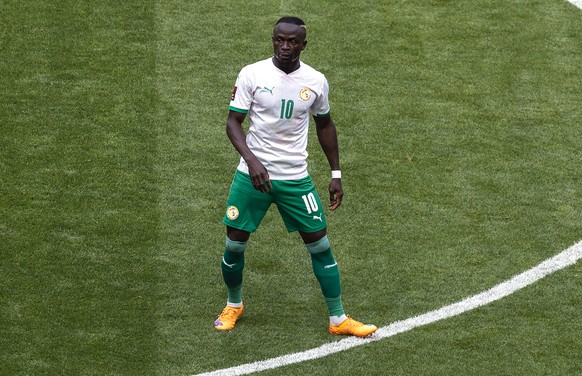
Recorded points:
232,213
305,94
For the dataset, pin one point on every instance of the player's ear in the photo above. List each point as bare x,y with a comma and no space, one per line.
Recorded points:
304,44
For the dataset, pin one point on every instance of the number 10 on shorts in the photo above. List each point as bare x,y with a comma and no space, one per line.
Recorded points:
310,203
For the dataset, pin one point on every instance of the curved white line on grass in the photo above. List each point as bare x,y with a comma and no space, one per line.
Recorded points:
577,3
565,258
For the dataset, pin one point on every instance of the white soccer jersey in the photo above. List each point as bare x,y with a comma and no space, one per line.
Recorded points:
279,106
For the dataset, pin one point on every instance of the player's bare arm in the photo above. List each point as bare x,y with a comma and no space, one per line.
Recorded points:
258,173
327,136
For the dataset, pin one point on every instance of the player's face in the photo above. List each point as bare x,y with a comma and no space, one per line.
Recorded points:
288,42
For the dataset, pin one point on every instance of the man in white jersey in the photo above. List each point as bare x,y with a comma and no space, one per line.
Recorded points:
279,94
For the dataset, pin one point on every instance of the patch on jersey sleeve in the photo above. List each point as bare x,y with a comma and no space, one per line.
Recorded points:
305,94
233,93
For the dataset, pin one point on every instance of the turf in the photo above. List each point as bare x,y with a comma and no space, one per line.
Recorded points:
459,126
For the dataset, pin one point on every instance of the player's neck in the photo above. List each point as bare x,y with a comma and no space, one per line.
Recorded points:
287,68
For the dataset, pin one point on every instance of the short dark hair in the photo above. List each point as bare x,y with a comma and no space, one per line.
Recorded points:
292,20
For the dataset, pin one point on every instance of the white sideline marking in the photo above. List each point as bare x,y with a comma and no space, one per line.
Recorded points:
577,3
565,258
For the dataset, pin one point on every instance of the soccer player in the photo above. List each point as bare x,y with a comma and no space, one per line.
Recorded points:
278,94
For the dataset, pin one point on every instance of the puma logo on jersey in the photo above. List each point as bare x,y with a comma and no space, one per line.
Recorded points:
267,90
318,217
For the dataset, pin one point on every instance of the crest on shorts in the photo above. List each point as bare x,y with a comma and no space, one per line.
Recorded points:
305,94
232,212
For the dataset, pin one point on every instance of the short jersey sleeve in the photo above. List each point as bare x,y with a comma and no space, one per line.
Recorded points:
242,94
321,106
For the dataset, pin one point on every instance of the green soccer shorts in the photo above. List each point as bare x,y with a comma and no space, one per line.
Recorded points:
297,201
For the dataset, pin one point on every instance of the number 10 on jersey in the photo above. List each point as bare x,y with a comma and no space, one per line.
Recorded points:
286,109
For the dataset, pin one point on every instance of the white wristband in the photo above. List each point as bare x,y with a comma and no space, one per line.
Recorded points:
336,174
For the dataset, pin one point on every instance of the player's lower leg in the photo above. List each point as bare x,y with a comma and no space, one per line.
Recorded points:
326,270
232,266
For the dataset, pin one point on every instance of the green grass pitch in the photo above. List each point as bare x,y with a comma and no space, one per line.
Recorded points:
459,125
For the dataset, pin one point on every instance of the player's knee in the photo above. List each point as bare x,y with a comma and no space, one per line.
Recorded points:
233,258
318,246
235,246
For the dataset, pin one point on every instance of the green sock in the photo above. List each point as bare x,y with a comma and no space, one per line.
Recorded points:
232,265
327,272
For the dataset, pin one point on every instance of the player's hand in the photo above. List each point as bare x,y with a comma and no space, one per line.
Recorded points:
336,193
259,176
